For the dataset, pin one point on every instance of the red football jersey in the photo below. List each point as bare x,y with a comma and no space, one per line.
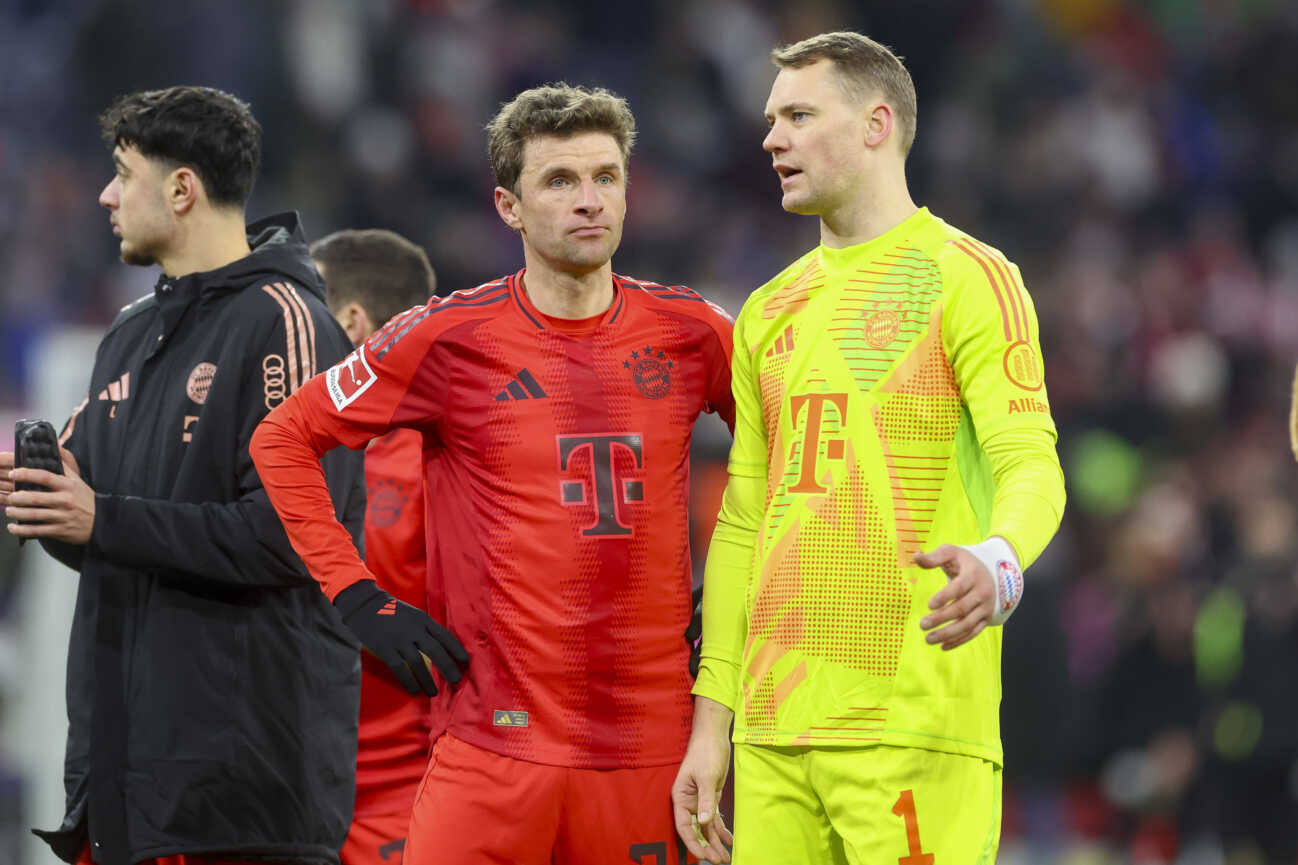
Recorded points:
394,725
558,456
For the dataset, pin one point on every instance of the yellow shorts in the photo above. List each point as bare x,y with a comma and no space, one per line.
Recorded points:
864,806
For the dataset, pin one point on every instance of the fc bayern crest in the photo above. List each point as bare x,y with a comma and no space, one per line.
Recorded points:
651,371
881,328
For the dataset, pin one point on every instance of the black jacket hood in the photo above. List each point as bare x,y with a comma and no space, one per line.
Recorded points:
279,249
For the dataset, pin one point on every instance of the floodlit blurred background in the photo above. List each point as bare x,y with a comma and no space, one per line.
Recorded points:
1138,159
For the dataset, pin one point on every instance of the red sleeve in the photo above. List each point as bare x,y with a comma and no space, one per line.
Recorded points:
374,389
721,398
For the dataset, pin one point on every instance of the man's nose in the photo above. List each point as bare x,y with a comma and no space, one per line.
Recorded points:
589,201
774,139
108,197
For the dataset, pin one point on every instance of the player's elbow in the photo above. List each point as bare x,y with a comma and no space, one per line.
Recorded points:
272,440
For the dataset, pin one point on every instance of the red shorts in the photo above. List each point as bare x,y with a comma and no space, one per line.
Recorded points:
377,839
85,859
478,806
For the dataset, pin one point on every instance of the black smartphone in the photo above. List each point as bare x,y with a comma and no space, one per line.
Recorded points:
36,446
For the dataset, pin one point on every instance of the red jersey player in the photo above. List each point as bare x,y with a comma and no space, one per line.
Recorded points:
555,408
370,277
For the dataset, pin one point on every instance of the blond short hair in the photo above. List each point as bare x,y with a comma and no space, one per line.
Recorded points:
864,67
561,110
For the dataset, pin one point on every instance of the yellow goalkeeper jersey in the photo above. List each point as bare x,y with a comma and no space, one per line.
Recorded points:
889,398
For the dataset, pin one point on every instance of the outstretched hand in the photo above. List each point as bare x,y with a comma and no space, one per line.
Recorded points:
965,604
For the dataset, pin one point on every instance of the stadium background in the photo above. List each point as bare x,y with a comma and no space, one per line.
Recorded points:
1139,160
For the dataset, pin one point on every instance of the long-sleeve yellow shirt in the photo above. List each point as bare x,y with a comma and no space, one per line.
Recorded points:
889,398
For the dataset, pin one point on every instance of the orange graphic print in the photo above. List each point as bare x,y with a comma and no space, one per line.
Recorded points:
917,421
792,298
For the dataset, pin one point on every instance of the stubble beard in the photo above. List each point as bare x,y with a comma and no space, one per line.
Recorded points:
586,258
140,253
137,257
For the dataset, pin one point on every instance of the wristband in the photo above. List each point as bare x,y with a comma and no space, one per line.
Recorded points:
998,557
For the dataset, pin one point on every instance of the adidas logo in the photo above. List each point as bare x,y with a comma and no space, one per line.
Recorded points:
783,344
117,390
389,609
524,386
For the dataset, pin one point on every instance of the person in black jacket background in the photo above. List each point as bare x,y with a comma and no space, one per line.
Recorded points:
212,688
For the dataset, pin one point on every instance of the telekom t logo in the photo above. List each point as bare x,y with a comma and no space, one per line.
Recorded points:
611,491
815,403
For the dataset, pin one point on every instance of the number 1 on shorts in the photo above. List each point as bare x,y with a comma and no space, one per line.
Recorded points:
905,808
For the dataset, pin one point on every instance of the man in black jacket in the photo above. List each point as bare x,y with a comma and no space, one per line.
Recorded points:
212,688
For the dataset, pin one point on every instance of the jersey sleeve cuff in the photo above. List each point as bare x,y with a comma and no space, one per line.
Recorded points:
718,680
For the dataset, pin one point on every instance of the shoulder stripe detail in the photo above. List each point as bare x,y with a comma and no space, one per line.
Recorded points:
395,323
994,282
383,342
666,292
293,340
72,421
1013,287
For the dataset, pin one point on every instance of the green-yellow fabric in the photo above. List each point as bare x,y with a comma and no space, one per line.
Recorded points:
889,398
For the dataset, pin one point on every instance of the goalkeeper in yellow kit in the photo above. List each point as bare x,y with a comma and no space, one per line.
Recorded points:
893,472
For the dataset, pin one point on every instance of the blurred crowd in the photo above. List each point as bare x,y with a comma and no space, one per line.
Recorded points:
1139,160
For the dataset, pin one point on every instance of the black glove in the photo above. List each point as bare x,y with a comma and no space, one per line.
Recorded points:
396,633
694,633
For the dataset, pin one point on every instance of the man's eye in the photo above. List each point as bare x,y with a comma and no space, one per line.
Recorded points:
798,116
558,182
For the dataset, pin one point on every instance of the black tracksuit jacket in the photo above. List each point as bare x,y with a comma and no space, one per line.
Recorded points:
212,688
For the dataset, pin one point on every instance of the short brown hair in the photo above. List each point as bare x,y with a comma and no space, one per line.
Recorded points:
863,66
379,269
558,109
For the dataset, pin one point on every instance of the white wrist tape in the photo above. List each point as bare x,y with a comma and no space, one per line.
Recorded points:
1002,564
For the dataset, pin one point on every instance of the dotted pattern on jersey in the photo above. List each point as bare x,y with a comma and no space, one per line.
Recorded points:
626,410
917,418
881,310
793,297
501,435
771,383
573,585
843,603
853,595
617,381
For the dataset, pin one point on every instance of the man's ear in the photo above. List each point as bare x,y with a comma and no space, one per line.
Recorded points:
183,189
355,322
879,124
507,207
